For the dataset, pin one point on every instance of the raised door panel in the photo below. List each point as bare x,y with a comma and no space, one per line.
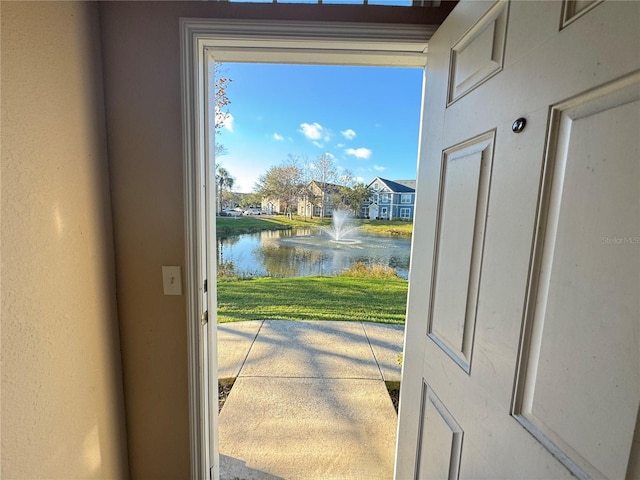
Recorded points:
579,385
479,54
464,196
440,440
573,9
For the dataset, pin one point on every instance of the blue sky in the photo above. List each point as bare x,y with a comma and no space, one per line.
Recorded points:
367,118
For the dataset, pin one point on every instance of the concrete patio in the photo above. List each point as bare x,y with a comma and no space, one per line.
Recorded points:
309,400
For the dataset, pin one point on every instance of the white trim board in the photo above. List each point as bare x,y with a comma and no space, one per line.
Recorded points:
204,42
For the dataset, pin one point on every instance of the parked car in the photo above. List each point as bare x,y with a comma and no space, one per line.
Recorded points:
231,212
252,211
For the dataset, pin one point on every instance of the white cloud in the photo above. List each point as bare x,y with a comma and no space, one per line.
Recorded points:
360,179
313,131
378,168
348,134
329,155
318,144
359,152
225,118
277,137
228,122
340,145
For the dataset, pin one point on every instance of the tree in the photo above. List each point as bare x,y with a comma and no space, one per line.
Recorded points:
346,179
324,172
221,104
354,197
221,100
284,182
305,195
231,199
223,180
250,200
341,196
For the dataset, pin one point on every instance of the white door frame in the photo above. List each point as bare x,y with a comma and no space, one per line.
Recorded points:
204,42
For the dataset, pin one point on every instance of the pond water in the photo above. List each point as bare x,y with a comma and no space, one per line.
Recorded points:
306,252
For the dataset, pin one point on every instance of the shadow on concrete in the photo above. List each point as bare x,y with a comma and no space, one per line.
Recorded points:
235,469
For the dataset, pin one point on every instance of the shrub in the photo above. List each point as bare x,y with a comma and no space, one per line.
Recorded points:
226,272
361,269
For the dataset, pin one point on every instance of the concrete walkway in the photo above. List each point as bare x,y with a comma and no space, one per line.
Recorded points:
309,401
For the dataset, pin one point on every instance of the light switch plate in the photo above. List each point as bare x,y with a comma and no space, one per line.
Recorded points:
172,280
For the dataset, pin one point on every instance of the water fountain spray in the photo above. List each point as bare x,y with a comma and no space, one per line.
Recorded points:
341,229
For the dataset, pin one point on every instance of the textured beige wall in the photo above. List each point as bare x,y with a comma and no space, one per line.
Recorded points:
62,403
142,89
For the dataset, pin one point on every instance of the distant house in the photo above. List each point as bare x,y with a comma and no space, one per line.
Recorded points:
318,199
272,206
391,199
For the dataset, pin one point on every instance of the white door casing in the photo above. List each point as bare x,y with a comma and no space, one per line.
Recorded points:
522,348
204,42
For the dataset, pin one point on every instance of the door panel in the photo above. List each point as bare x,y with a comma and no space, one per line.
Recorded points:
591,191
440,440
572,9
479,54
464,195
553,344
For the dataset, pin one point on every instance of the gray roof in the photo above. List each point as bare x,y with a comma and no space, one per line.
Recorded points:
407,183
399,186
328,187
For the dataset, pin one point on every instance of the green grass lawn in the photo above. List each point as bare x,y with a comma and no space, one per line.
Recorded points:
228,226
387,227
313,298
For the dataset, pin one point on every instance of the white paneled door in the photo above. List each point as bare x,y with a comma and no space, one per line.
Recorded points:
523,333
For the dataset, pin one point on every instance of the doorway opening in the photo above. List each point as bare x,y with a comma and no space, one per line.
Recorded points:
204,45
302,151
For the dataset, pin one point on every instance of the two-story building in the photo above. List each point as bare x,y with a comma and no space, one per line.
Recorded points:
272,206
318,199
391,199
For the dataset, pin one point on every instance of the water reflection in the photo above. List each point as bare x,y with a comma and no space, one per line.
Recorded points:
304,252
